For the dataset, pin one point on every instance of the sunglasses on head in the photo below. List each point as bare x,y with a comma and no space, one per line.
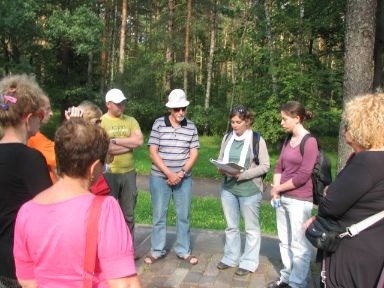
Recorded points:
239,109
178,109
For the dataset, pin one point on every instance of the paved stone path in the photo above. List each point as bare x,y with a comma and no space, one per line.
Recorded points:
207,245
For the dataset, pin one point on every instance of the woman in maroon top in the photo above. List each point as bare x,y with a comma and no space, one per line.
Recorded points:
292,184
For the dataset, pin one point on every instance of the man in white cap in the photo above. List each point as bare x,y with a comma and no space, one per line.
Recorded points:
173,149
125,134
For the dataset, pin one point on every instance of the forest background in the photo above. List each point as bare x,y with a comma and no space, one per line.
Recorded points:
260,53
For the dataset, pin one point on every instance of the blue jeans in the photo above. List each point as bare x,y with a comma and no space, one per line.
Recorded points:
161,194
124,189
295,249
249,208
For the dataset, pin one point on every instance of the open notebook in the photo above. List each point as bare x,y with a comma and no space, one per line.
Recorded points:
229,167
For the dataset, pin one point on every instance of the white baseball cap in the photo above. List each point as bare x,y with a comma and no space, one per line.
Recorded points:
177,99
115,95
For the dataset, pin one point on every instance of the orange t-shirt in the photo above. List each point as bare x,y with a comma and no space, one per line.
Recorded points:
47,148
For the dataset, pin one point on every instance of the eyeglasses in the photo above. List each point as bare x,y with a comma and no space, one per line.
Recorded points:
121,104
178,109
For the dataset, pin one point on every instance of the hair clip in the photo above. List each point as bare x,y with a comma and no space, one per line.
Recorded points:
7,99
11,99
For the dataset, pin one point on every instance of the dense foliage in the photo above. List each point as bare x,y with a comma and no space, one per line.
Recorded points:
259,53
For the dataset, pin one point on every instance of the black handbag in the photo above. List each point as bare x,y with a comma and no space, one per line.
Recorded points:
324,234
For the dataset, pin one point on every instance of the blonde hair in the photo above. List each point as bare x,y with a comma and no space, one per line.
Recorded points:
90,110
363,117
26,92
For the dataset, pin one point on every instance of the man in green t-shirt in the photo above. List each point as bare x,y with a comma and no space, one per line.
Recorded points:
125,134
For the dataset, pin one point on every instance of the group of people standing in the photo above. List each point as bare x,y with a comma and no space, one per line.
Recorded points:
45,202
356,193
44,216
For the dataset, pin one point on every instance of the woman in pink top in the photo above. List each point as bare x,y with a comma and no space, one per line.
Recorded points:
49,244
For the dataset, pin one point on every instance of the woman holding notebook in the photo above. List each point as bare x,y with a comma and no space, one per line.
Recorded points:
241,192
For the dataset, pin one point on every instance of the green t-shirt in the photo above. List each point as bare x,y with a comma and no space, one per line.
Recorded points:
239,188
120,128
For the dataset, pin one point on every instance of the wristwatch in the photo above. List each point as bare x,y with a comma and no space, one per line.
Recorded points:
113,141
184,172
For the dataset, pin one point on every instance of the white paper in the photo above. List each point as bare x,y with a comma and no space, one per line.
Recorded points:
230,167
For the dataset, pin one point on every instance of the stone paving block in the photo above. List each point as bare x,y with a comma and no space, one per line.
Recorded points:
192,278
258,280
211,269
210,242
240,282
194,285
177,277
224,278
156,282
207,281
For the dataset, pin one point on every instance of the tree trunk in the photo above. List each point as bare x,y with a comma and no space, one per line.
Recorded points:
105,44
379,47
212,28
300,38
90,70
112,48
122,37
186,52
212,24
358,67
267,9
169,50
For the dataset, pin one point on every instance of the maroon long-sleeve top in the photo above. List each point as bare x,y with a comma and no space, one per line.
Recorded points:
293,165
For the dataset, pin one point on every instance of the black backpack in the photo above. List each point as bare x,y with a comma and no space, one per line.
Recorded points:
255,142
322,171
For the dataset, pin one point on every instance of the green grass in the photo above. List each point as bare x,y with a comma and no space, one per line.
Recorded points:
206,213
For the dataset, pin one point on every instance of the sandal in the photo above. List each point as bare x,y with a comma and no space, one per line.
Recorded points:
189,259
149,259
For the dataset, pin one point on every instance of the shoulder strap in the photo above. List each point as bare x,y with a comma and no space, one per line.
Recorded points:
91,240
227,135
356,228
302,143
255,143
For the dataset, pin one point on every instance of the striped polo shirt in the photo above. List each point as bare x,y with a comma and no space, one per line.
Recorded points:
174,144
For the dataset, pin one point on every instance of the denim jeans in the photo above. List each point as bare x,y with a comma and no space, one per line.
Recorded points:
249,208
295,249
161,194
124,189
